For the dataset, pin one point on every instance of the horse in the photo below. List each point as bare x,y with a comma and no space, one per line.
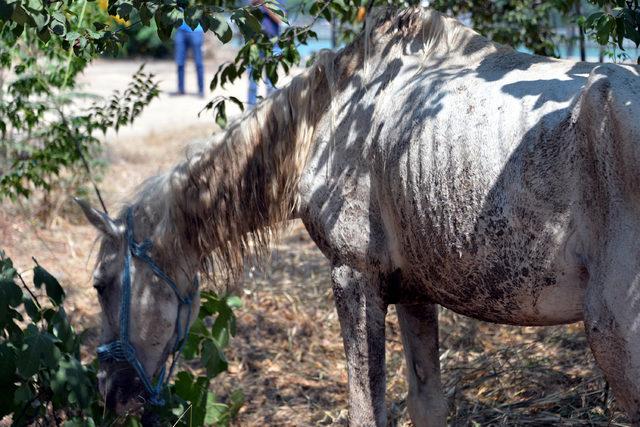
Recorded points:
431,166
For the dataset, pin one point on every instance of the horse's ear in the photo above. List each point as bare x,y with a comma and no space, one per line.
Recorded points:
98,219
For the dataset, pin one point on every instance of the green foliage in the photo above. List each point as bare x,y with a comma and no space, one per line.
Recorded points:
40,368
45,382
44,134
142,41
44,128
515,22
190,402
145,42
616,21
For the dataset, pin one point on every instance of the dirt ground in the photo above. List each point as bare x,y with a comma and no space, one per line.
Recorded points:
287,357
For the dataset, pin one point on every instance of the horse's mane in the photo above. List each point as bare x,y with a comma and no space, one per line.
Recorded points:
232,194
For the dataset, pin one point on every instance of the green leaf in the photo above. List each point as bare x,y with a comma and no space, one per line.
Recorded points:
73,381
10,293
218,24
276,8
183,384
124,10
222,414
41,20
246,22
38,350
234,301
72,36
21,16
631,32
213,358
237,102
216,411
222,327
197,333
221,115
620,31
145,14
80,422
60,327
194,391
7,364
132,422
6,10
592,18
54,290
164,30
193,16
210,303
10,296
31,308
44,35
57,16
23,394
237,400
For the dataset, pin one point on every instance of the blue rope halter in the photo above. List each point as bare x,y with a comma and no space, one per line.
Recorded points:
121,349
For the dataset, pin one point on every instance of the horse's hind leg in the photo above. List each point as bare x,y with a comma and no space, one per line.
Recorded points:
362,312
419,328
612,323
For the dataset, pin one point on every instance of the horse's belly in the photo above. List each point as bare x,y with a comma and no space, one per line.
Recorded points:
540,299
516,279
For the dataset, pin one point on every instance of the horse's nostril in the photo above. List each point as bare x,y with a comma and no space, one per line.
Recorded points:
121,388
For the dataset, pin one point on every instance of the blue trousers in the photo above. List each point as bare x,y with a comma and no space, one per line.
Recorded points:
185,40
253,88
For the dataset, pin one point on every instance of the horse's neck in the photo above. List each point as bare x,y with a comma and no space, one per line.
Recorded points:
227,197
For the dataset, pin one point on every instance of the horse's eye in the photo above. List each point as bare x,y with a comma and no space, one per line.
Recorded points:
99,287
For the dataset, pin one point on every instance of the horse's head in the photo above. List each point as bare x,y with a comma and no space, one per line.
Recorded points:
148,298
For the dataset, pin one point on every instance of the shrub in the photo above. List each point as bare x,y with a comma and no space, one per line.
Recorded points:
47,382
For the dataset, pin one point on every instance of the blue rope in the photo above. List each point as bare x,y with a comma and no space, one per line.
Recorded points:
121,349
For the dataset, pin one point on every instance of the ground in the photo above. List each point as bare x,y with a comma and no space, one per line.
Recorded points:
287,356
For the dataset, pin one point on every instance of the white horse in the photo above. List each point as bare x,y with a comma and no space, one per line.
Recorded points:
431,166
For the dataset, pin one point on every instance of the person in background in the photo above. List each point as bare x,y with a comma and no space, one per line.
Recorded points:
271,28
187,38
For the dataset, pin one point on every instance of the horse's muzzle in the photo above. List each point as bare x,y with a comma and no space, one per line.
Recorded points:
120,387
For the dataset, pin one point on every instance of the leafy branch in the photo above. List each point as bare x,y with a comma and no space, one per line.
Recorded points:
42,152
614,22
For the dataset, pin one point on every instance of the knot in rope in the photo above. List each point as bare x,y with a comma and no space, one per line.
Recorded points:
140,250
117,351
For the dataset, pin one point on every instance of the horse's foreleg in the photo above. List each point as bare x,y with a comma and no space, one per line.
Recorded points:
362,312
419,328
